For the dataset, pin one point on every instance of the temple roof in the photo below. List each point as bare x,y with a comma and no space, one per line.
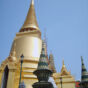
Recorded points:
64,70
30,22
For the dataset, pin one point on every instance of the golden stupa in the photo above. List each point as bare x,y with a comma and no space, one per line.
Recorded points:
29,43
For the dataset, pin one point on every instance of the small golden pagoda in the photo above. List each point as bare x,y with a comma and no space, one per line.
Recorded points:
64,78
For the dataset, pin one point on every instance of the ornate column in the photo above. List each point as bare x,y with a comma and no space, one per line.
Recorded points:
43,73
11,78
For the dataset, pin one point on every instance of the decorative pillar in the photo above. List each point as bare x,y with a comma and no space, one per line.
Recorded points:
11,77
43,73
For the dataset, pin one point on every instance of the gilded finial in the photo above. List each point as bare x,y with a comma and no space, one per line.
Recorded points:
63,62
81,58
32,2
64,70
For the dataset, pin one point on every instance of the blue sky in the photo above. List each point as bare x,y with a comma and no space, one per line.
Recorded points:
66,24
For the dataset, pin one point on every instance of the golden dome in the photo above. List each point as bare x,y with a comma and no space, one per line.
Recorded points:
30,22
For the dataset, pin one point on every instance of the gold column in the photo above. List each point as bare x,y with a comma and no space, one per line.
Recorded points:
11,78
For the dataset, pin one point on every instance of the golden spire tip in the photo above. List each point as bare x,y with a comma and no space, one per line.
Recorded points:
63,62
32,2
30,22
81,58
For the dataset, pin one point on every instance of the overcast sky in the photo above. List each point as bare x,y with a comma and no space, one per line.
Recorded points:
66,25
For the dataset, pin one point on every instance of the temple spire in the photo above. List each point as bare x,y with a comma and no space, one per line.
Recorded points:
84,73
64,70
43,72
30,22
32,2
43,63
51,63
63,64
45,45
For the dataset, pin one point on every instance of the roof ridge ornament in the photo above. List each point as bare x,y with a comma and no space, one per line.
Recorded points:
63,66
64,70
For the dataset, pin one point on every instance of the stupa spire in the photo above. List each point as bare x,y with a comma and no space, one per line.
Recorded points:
42,72
51,63
63,64
45,46
84,72
30,22
43,63
32,2
64,70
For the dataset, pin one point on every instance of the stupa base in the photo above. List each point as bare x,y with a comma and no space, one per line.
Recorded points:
42,85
